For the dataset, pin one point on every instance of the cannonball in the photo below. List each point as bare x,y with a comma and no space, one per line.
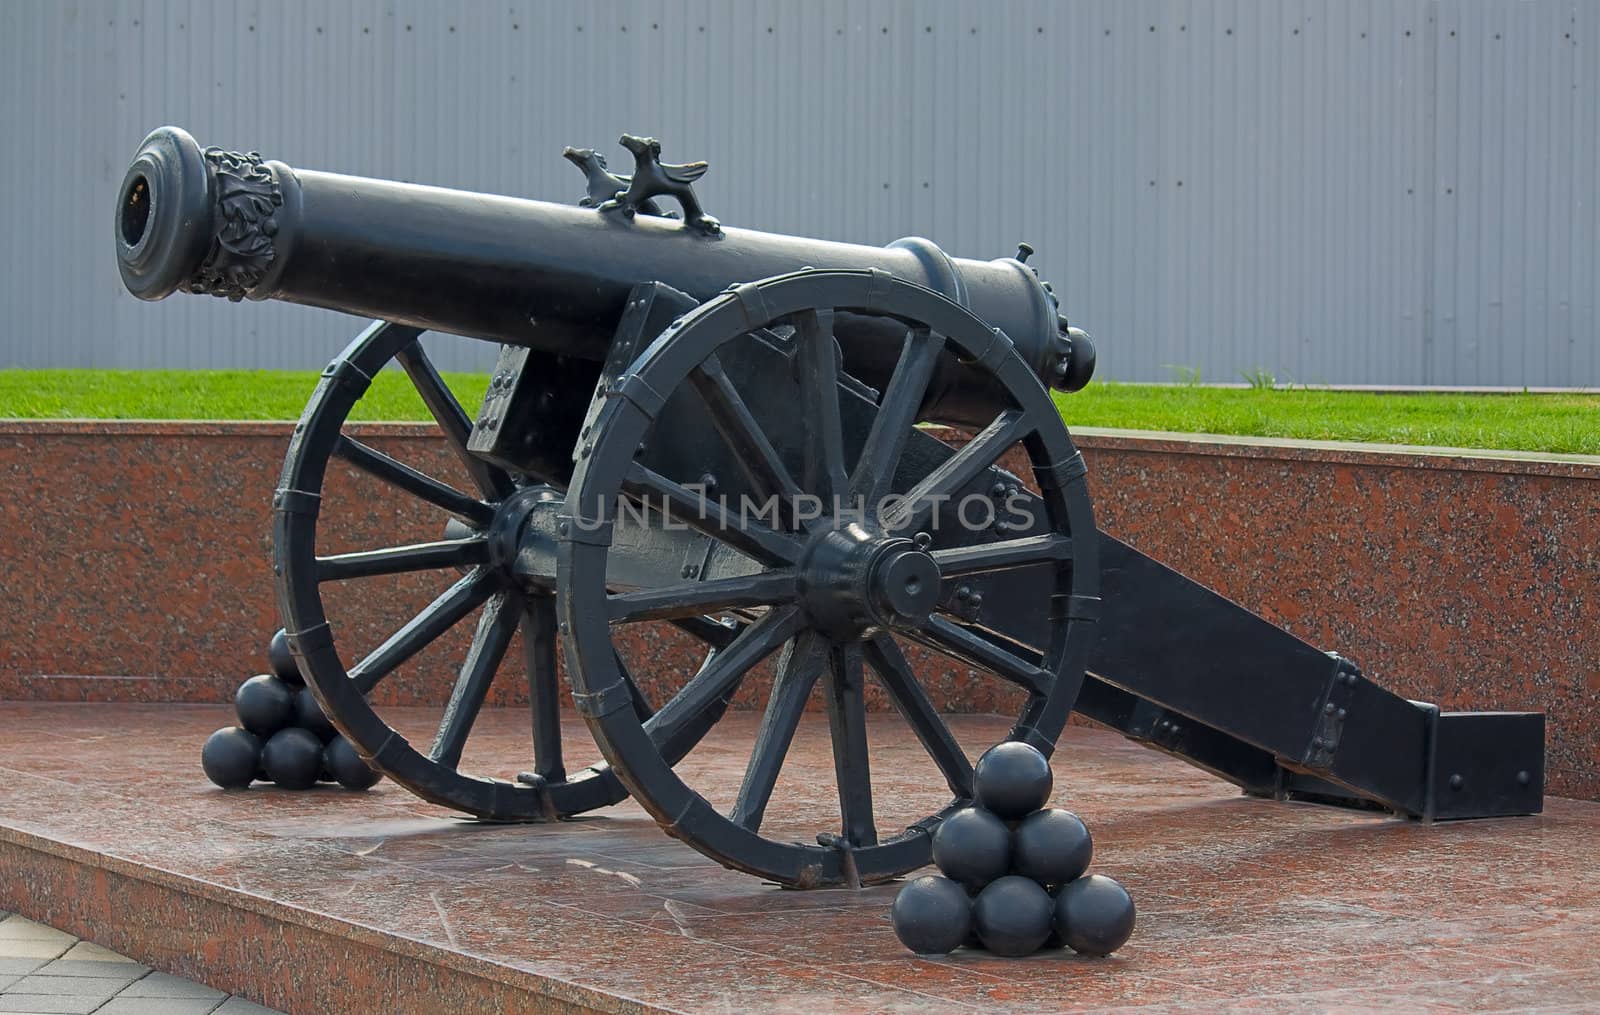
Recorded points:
292,758
1094,915
932,915
972,846
1051,846
308,716
1013,780
230,757
345,765
265,705
1012,916
282,660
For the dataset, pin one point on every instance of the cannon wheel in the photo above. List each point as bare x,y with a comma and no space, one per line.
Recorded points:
818,595
477,525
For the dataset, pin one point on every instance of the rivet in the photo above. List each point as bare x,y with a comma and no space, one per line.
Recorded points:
563,528
1456,782
1328,708
1342,713
1524,777
1316,743
964,593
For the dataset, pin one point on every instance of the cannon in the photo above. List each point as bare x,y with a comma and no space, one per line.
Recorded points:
820,458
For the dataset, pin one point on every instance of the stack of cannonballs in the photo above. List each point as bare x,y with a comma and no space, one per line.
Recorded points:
1014,874
282,735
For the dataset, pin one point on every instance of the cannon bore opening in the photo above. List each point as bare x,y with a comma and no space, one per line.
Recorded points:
135,210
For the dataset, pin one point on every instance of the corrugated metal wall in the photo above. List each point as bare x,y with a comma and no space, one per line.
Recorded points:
1365,191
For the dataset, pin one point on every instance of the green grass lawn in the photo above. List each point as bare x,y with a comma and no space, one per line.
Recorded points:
1550,423
205,394
1567,424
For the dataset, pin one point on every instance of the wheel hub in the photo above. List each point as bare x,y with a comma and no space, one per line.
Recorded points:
855,581
904,585
511,519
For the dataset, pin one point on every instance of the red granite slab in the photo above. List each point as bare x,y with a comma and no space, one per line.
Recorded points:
138,565
330,901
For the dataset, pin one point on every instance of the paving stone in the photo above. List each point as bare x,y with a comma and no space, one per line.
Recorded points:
31,948
19,966
167,985
15,928
158,1006
64,986
6,981
239,1006
51,1004
68,966
88,951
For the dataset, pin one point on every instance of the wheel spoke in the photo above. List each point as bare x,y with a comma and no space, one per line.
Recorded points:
1003,555
495,626
756,456
723,671
698,598
544,687
847,725
380,466
798,668
963,644
894,673
819,398
766,545
452,419
960,469
420,631
399,559
897,413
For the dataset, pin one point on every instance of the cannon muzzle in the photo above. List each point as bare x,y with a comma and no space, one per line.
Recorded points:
165,215
548,276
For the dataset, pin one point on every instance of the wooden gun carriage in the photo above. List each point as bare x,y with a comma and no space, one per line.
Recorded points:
724,430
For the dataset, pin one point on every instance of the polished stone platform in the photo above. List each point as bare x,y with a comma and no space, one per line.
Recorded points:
332,901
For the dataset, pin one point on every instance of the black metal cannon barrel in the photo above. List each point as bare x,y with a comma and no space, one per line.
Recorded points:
532,273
